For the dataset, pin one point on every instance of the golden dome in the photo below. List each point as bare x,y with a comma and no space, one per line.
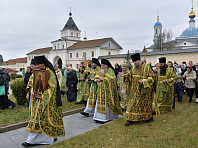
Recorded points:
85,37
192,14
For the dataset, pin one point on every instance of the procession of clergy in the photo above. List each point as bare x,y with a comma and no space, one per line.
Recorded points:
98,89
107,97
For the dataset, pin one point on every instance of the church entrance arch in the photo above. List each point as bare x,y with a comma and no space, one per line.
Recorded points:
58,60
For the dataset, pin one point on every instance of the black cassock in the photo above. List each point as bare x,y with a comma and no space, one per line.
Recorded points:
72,80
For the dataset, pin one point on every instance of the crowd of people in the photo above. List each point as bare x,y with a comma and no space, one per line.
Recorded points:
140,91
138,88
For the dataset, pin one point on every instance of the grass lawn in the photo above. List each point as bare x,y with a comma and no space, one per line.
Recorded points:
173,129
21,113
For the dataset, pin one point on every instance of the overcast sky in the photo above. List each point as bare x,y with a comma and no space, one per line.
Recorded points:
26,25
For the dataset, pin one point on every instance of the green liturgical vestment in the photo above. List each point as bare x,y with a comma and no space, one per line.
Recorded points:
124,91
165,91
107,94
46,115
87,85
80,88
139,106
93,90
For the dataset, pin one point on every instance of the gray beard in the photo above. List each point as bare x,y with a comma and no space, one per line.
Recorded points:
103,71
138,66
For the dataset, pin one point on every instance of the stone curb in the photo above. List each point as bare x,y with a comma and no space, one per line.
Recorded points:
23,124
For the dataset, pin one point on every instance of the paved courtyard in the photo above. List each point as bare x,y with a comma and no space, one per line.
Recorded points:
74,125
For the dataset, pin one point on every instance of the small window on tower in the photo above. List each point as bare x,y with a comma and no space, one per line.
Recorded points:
76,54
109,44
109,53
156,31
184,43
54,47
77,34
70,55
63,46
71,33
92,53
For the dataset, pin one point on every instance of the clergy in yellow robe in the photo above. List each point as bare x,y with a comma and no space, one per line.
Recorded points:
46,121
139,106
87,83
165,90
91,102
107,103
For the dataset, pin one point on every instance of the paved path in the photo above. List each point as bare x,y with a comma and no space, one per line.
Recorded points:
74,125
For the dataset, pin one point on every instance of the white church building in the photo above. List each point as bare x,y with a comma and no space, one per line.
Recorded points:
70,49
187,40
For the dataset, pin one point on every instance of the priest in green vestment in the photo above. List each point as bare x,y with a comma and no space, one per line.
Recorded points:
107,104
81,82
123,87
139,107
91,102
165,89
46,121
87,84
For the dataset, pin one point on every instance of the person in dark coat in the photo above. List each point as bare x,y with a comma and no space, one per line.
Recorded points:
180,89
183,69
71,83
117,69
27,76
7,78
26,79
4,101
196,82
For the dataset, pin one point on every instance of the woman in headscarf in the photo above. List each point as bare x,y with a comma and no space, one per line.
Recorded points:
190,76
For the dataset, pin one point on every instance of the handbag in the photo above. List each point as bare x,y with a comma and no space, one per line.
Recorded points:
2,90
